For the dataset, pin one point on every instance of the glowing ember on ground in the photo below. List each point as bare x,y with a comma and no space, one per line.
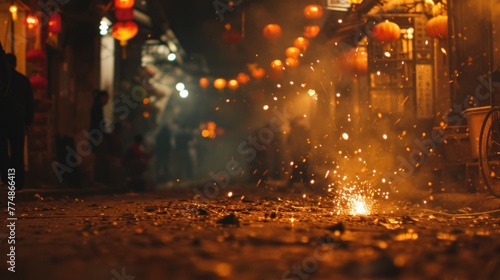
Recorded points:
354,200
358,205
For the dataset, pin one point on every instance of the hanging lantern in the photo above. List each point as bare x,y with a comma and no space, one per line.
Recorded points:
258,73
301,43
311,31
124,14
386,31
220,83
313,11
437,27
38,82
356,60
243,78
54,24
124,31
31,21
124,4
271,31
291,62
35,56
232,36
277,64
204,82
232,84
293,52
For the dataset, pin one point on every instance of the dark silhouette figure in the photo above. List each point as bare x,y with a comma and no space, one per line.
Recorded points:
299,149
101,98
163,149
183,139
5,74
115,156
16,114
98,126
136,164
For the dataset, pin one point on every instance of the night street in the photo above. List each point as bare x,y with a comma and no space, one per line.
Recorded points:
249,139
256,233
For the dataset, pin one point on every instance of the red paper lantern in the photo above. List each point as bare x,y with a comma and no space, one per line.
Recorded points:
437,27
301,43
124,31
311,31
293,52
35,56
204,82
386,31
233,84
220,83
232,36
243,78
124,4
38,82
258,73
271,31
54,24
291,62
313,11
277,65
124,14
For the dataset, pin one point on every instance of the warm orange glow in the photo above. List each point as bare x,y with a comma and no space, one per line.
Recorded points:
31,21
386,31
54,24
204,82
311,31
313,11
145,101
301,43
232,84
277,64
291,62
124,4
258,73
356,60
437,27
243,78
145,114
13,11
205,133
124,31
271,31
220,83
293,52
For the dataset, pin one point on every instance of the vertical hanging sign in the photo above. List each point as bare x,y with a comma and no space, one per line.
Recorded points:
424,88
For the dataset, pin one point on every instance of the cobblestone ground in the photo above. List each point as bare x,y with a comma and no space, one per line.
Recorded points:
251,235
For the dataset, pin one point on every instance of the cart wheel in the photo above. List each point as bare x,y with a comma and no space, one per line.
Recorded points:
489,150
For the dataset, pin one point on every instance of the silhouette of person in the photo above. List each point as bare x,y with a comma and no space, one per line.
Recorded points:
163,149
97,123
299,148
5,74
183,139
16,114
136,163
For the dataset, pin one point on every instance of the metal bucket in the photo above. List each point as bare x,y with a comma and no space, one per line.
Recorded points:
475,117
